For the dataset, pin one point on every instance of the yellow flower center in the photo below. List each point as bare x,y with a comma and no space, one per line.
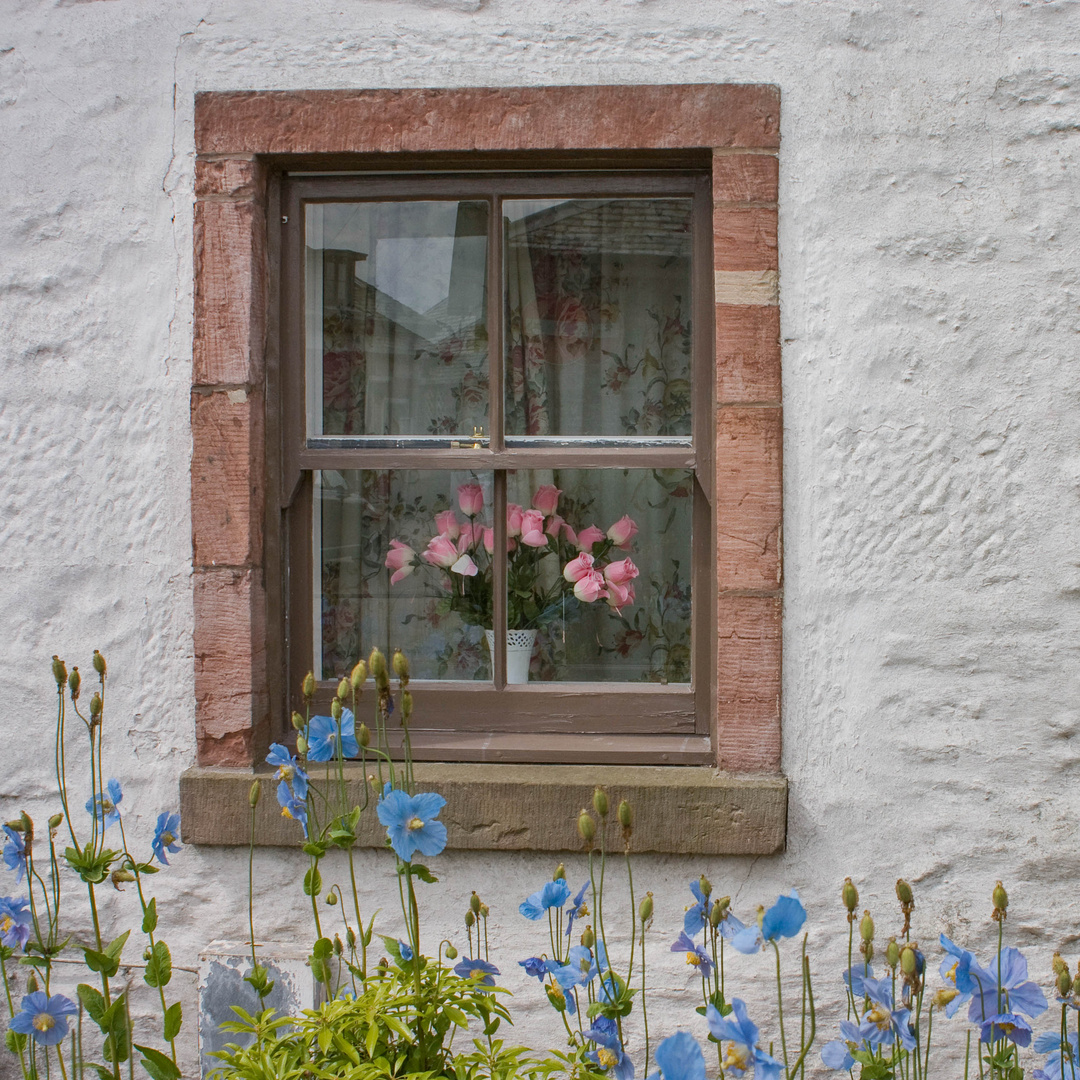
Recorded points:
285,812
6,924
693,958
285,772
606,1057
951,973
880,1017
44,1022
416,823
1005,1027
555,992
167,837
737,1057
107,805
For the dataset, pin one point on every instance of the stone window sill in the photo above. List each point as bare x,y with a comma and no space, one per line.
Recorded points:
677,810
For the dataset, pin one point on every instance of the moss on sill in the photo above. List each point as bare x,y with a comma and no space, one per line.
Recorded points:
682,811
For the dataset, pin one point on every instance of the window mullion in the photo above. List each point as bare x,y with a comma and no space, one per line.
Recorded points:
498,582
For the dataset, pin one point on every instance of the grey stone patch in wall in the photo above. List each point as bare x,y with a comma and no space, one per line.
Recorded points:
222,967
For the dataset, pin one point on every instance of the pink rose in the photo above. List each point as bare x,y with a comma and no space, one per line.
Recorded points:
619,573
447,524
470,499
464,566
546,499
554,526
618,596
587,537
400,558
513,519
532,529
489,541
590,587
470,536
441,551
622,532
577,568
571,536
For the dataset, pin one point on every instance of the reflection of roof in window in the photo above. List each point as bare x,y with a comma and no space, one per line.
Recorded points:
604,226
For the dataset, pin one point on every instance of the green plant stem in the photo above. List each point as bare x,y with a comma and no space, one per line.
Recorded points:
644,1010
929,1035
780,1004
359,921
633,915
598,900
801,1062
11,1008
802,1023
850,940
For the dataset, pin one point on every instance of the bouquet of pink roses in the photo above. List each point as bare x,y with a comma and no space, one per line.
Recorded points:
461,557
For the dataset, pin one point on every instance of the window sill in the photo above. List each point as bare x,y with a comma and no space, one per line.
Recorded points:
678,811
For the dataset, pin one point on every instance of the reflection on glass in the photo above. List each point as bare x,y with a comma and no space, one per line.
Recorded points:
598,302
403,564
600,567
396,331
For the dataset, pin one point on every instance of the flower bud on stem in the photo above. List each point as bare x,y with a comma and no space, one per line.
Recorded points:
586,827
850,897
59,670
99,664
1001,902
600,802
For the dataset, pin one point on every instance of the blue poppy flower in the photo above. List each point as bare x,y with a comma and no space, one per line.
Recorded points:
855,976
44,1018
293,808
1058,1066
470,968
1020,995
741,1034
697,914
15,920
679,1057
166,836
536,966
15,853
1011,1026
696,956
553,895
323,733
837,1055
104,805
577,909
562,999
784,919
883,1024
405,950
609,1054
410,823
288,769
730,926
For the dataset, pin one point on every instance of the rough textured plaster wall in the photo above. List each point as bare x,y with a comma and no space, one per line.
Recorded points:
928,233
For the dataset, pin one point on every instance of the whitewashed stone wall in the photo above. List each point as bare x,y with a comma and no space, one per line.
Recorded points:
929,289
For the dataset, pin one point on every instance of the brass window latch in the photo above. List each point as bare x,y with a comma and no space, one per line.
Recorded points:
477,434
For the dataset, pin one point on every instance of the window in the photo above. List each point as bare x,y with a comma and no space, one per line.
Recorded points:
505,334
246,144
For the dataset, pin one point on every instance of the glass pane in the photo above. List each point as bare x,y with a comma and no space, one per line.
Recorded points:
396,327
600,569
398,568
598,317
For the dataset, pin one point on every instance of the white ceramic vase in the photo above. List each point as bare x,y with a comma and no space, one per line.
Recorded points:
519,647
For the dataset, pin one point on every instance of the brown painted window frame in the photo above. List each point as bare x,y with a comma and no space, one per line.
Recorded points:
245,140
610,723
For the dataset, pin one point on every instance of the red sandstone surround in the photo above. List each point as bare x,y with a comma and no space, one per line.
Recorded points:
235,132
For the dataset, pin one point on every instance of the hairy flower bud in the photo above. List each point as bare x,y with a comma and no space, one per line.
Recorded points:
15,825
866,927
451,952
588,938
309,685
626,815
867,950
27,826
586,826
350,937
1064,983
1076,985
705,885
716,914
600,802
484,911
1058,964
54,821
892,953
343,689
406,704
339,948
474,903
301,745
908,960
1001,901
254,793
400,663
470,919
363,735
335,708
32,984
331,898
297,722
377,664
59,670
74,680
850,897
358,677
95,706
121,877
99,663
560,873
903,892
645,908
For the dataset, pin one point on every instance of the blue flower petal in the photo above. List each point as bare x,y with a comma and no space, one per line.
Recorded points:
785,918
679,1057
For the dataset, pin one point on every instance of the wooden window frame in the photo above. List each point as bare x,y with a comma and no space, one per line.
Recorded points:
245,141
616,722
